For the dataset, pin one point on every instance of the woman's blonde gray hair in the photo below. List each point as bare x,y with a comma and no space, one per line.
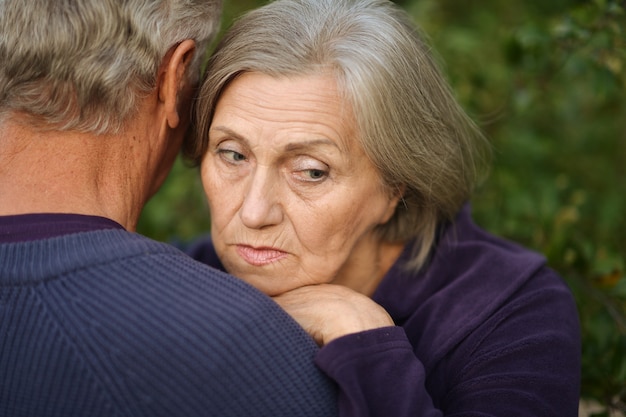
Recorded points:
424,145
83,64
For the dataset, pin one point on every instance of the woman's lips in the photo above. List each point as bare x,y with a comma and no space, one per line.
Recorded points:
260,256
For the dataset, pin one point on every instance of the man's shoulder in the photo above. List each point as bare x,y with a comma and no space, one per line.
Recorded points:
131,275
151,328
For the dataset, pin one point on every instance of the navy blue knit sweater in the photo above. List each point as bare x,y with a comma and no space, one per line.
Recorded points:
109,323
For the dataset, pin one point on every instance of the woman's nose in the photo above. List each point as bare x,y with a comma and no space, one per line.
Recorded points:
261,206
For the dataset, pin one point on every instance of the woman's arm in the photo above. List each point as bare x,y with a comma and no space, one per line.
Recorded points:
521,361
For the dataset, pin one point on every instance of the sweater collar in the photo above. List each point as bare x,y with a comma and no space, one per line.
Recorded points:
37,226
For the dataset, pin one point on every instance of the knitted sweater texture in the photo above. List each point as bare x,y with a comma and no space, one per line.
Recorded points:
109,323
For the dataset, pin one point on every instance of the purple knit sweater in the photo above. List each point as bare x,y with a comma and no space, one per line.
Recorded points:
487,329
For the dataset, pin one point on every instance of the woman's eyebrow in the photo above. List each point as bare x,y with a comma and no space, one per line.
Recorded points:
307,144
290,147
227,131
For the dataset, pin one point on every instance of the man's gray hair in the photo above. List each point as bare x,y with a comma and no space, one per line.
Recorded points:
84,64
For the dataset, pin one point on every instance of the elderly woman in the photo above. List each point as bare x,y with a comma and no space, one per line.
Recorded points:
338,166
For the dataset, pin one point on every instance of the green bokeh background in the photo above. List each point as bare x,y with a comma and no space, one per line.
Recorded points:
546,82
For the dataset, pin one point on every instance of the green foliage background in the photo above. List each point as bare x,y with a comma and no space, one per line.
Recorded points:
546,81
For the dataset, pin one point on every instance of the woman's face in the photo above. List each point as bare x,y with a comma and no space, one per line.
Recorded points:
294,200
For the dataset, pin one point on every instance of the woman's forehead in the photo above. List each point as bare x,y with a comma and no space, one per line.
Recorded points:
308,104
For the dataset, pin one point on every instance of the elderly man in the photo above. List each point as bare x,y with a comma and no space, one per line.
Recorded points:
96,320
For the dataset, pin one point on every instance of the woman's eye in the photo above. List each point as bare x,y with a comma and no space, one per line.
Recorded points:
311,174
315,174
230,155
311,170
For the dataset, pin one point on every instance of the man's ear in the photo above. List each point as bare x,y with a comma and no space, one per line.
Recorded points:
173,79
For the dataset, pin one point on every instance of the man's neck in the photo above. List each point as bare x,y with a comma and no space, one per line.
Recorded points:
68,172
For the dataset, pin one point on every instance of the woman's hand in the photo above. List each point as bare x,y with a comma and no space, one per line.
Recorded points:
328,311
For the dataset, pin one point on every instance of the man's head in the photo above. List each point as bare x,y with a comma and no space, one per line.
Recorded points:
84,64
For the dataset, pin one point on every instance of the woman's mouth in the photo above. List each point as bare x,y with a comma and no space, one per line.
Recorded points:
260,256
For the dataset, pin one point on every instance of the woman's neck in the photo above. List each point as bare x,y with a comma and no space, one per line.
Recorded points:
368,265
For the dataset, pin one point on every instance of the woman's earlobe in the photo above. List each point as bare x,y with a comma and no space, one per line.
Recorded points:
396,197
